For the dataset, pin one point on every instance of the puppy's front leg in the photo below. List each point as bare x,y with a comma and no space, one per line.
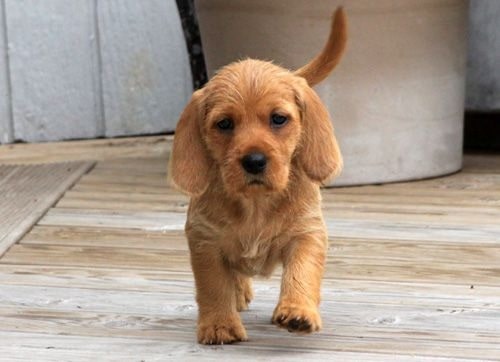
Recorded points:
303,265
218,320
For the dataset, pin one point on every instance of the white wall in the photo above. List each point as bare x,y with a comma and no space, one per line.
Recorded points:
90,68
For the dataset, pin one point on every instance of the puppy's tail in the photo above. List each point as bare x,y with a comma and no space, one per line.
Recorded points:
319,68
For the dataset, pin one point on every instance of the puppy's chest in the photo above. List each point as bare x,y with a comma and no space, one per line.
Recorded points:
255,252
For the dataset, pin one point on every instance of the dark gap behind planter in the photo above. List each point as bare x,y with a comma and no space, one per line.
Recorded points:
482,131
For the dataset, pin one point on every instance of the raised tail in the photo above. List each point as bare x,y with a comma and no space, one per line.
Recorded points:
319,67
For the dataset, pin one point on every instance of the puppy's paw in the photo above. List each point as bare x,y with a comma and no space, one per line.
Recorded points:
244,295
297,318
243,300
221,331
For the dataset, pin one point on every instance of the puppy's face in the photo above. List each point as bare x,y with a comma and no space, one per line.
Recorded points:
252,126
251,123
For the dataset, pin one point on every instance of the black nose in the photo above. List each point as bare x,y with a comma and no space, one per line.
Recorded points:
254,163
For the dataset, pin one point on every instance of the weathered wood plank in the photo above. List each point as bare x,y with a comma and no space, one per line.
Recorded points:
148,164
363,203
345,225
459,181
373,249
77,199
179,326
76,203
397,271
481,163
28,192
476,215
143,220
94,278
477,254
445,220
364,267
482,197
178,296
359,226
45,69
464,182
144,58
23,346
96,257
420,198
168,196
452,320
441,297
102,237
102,149
111,186
127,179
336,284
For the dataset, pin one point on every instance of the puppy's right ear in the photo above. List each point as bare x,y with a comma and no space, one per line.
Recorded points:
189,161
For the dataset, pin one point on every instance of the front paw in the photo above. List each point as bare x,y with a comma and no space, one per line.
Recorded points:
226,330
297,318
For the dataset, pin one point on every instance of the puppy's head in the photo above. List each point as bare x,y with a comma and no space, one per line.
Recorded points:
249,126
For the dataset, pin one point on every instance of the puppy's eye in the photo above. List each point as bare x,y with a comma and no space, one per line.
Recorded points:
278,120
225,124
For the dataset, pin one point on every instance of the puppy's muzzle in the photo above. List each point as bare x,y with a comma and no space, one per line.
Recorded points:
254,163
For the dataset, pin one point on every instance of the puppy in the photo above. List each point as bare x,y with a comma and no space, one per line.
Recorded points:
251,149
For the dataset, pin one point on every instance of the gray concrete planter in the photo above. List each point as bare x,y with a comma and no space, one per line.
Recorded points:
397,98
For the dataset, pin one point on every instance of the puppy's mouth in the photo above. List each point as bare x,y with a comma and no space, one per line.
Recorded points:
256,183
255,180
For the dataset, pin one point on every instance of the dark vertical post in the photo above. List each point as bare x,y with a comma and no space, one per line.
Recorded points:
193,41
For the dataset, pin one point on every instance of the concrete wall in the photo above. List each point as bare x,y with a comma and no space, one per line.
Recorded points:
90,68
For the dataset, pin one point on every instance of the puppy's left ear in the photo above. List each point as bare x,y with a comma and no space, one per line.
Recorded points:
318,153
189,162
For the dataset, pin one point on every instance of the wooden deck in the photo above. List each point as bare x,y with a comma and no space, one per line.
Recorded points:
413,270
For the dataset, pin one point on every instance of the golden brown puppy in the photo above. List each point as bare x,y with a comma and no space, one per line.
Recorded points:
251,149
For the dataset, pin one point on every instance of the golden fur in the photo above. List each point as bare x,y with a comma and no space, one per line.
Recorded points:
239,224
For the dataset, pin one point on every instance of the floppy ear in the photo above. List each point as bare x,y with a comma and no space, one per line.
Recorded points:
318,153
189,162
